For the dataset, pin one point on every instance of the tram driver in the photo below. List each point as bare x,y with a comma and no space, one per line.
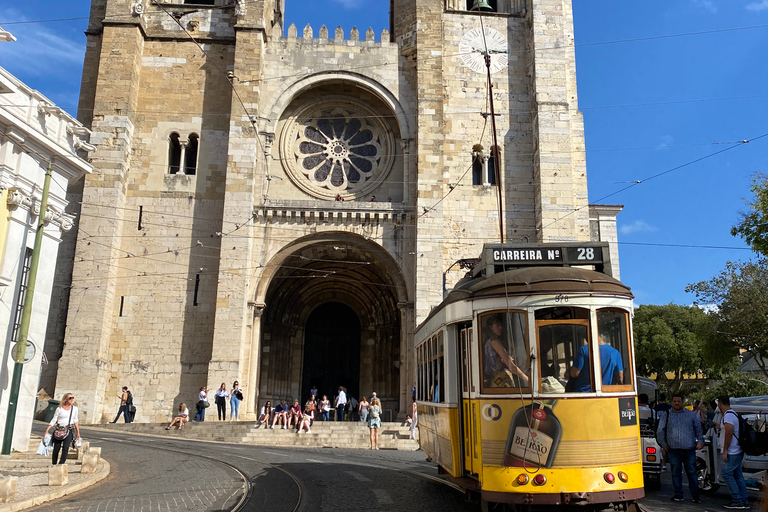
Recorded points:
611,366
499,368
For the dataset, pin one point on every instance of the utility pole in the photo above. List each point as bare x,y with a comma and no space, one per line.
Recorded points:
26,315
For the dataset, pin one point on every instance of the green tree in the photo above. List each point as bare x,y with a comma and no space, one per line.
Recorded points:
736,384
671,339
740,294
753,227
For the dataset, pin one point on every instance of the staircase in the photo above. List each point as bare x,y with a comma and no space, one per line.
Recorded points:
325,434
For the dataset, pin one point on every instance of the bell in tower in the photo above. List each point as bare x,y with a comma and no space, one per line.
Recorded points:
481,5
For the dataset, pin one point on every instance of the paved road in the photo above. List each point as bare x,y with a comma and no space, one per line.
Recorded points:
173,475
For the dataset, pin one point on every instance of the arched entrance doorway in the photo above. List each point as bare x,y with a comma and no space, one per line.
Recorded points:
331,317
331,350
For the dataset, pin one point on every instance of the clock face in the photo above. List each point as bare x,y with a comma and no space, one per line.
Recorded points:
472,49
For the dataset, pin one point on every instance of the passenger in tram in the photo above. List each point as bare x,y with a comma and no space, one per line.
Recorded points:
611,366
499,369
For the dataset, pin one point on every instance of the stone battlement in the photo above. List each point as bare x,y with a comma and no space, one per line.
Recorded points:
338,36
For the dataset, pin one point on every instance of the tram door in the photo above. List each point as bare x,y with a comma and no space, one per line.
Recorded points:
468,409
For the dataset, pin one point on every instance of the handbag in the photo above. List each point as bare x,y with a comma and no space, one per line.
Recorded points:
238,395
61,432
203,404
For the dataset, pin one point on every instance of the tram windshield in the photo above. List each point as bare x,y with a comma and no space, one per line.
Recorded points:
504,351
565,352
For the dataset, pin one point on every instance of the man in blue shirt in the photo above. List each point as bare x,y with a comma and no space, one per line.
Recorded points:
680,435
610,364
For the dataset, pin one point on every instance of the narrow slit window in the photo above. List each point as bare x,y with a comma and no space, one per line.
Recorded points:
174,153
477,171
197,289
122,304
190,157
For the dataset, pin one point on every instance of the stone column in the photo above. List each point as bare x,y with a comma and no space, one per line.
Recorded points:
254,362
407,365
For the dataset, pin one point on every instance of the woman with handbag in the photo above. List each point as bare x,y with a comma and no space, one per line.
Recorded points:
202,403
374,422
221,401
65,425
235,397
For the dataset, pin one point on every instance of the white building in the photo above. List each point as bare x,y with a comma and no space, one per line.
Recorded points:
33,132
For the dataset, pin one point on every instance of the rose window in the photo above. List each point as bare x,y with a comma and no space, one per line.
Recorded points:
338,149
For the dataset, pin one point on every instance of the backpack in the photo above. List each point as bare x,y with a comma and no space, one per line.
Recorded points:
750,441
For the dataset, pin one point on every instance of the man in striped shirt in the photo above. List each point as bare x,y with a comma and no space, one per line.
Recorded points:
679,434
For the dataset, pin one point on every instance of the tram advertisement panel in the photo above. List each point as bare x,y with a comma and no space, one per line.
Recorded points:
548,433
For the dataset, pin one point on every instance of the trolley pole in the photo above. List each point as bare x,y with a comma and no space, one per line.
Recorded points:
26,315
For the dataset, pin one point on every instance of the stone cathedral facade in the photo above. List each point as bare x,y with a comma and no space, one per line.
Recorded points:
282,206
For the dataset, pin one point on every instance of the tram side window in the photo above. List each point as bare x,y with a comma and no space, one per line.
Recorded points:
615,354
564,356
505,359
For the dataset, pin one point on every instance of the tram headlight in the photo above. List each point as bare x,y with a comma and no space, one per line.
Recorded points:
609,478
623,477
522,479
539,479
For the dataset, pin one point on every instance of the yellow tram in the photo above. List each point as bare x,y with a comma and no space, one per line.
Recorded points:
525,380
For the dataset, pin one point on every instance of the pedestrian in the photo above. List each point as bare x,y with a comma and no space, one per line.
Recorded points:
374,422
414,419
732,456
126,401
294,414
280,413
341,403
202,403
353,405
182,417
221,401
64,419
325,409
363,410
313,391
306,419
679,434
235,397
266,413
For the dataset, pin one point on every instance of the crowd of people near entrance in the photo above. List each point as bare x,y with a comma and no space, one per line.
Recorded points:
345,407
232,395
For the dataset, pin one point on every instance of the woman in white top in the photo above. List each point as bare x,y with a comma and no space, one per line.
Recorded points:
181,419
65,417
200,406
221,401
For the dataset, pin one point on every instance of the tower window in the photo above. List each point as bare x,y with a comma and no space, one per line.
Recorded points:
482,5
492,167
477,170
483,167
174,153
182,154
200,2
190,157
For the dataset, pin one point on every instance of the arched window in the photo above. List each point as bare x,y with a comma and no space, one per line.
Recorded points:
477,170
174,153
491,176
190,155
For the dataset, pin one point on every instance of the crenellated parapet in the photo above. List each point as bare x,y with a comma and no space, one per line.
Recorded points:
323,37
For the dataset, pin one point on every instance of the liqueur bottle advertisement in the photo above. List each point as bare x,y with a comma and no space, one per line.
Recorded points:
534,436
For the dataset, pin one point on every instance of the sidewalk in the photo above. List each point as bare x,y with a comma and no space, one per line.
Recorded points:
32,473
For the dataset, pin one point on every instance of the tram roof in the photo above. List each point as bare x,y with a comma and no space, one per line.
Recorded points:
539,280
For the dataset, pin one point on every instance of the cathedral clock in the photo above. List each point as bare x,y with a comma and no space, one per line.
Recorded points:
472,49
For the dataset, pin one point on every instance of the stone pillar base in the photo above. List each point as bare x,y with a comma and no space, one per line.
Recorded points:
90,463
58,475
8,489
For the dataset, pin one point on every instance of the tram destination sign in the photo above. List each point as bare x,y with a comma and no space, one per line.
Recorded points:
546,255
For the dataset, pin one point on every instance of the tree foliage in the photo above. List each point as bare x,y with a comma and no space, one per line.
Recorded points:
671,339
753,226
740,292
734,383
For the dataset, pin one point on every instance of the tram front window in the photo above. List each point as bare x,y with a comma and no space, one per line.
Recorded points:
562,346
615,355
504,351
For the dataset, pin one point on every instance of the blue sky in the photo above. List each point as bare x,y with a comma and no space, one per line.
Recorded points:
649,105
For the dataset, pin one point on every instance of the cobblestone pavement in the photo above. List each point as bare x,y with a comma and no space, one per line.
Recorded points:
161,474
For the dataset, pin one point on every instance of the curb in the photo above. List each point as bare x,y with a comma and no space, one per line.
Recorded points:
64,491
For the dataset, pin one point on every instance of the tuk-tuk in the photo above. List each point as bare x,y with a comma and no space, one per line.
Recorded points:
753,409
